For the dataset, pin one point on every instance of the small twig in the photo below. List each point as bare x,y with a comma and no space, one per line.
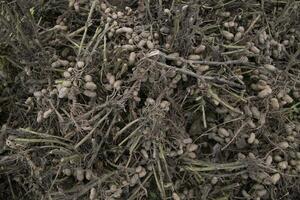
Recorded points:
208,78
131,135
14,63
202,62
214,167
147,3
132,147
69,158
92,41
27,140
95,153
97,116
159,186
204,116
74,33
49,30
92,131
100,37
83,189
252,24
87,25
235,135
240,98
140,186
60,118
217,98
233,52
162,156
43,135
55,178
190,73
160,173
104,50
126,127
227,187
11,188
95,109
215,63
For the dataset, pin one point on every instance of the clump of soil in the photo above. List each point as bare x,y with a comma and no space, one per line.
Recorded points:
149,100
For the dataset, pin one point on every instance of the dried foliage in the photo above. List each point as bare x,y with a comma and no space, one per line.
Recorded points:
149,99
